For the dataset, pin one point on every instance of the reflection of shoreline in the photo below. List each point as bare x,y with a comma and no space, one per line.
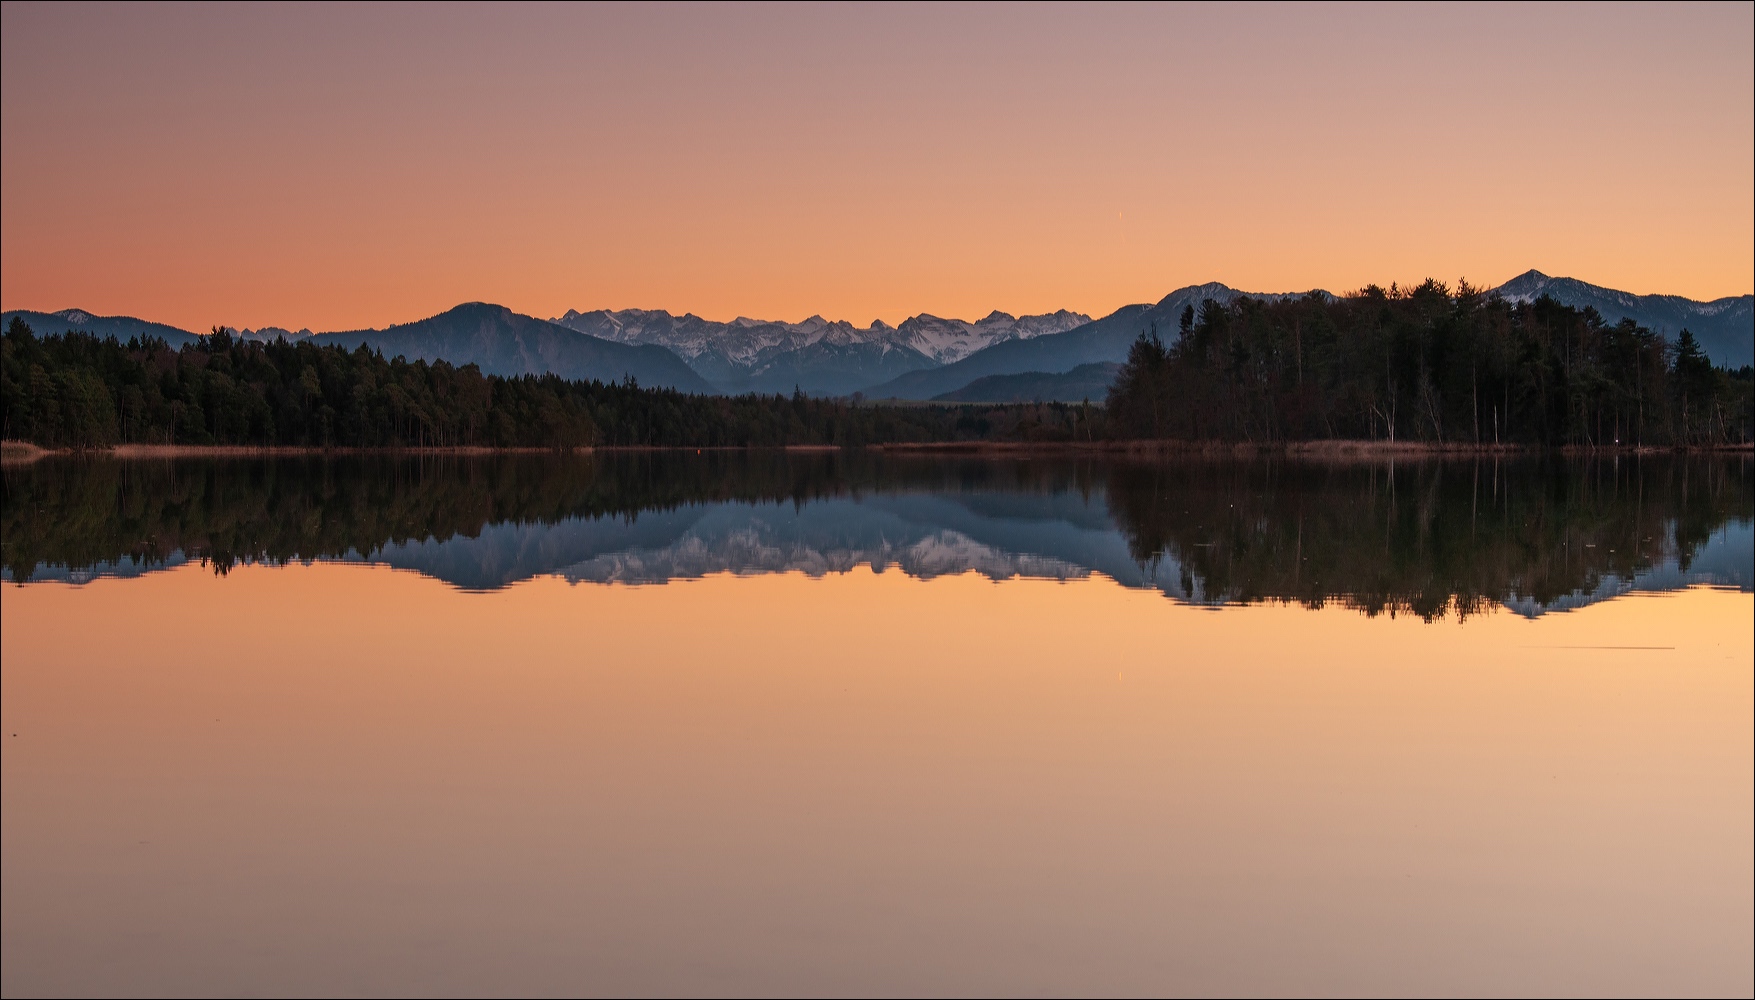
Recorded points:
1430,538
924,536
948,555
23,452
1301,450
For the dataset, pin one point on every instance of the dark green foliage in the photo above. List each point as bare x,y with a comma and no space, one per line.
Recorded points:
79,391
1426,364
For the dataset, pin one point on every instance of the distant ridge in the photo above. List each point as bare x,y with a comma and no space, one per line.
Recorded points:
1725,327
503,342
1096,342
923,358
815,355
80,321
493,337
1086,383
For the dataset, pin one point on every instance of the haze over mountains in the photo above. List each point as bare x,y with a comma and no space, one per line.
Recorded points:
1063,355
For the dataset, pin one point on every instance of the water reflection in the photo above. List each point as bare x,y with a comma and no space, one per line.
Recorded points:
800,776
1429,538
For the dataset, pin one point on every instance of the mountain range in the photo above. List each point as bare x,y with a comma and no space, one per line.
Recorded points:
1064,355
503,342
1725,327
1096,342
816,355
78,320
1086,382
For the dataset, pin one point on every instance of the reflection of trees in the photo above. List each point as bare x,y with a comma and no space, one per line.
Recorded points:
82,512
1424,537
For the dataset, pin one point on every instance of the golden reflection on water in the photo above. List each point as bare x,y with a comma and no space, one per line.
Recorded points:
336,778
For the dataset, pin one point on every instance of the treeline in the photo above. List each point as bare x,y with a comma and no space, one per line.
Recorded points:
75,390
1425,364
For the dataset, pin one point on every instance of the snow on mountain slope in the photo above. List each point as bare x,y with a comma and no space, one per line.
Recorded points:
814,354
1100,341
1725,327
81,321
949,340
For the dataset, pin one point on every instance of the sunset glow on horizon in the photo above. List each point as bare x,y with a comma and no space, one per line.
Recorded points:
857,498
341,168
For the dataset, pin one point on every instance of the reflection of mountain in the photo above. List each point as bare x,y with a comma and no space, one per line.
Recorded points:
1060,537
1426,538
925,536
1727,559
909,532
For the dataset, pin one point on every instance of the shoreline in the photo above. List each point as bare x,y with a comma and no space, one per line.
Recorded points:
1331,448
24,452
16,452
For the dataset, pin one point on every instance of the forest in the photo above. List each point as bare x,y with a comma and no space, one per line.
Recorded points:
76,391
1425,364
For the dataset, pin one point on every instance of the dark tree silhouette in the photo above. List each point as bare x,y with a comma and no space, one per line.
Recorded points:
74,390
1425,364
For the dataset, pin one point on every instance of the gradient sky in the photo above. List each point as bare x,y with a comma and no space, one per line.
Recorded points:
343,167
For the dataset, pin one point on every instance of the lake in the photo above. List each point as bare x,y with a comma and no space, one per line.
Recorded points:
782,723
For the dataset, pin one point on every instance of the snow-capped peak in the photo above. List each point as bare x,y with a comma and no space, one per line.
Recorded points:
744,342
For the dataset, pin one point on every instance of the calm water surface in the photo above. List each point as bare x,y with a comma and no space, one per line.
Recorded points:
809,724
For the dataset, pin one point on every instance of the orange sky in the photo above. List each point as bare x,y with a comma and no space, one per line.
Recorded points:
349,167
